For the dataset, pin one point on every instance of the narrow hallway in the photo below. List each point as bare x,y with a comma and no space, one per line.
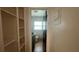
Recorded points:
38,46
39,19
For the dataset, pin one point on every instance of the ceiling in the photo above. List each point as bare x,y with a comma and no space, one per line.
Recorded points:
38,12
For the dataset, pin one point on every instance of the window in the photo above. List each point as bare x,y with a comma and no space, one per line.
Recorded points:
39,25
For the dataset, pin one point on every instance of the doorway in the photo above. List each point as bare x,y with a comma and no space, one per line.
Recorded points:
39,30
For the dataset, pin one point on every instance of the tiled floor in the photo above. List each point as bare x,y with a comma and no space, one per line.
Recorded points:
38,47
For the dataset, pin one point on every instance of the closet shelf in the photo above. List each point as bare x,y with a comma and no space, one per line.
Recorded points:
8,12
21,19
22,46
9,43
12,27
21,27
21,37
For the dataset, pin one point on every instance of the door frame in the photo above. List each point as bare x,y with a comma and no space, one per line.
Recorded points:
30,24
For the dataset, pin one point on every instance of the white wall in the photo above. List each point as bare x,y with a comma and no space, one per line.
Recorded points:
65,35
28,45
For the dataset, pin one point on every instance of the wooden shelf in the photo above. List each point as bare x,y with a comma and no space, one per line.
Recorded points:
22,40
21,13
21,33
11,11
9,31
9,43
9,27
21,37
13,47
20,18
21,27
22,45
12,25
22,49
21,23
